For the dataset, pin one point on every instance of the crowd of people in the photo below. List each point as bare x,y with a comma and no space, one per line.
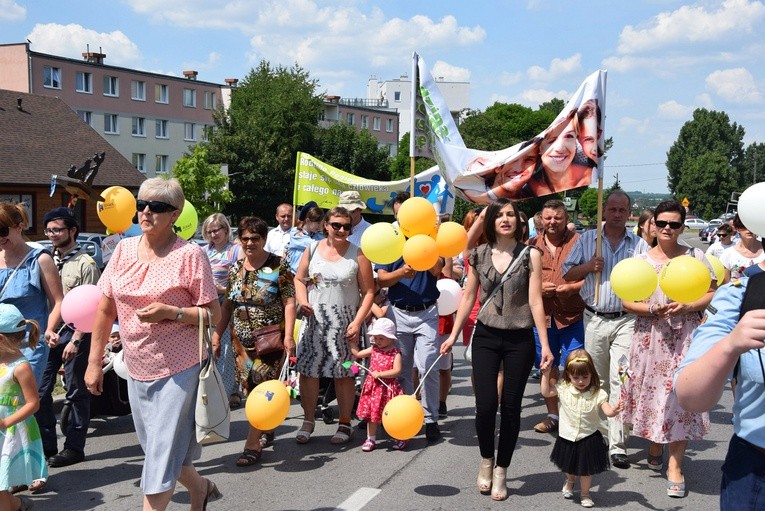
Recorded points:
607,366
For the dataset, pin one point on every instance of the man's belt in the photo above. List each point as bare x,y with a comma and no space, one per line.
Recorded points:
607,315
414,308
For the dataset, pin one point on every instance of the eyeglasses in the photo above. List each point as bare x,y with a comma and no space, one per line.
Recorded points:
248,239
213,232
155,206
661,224
723,234
337,226
54,230
5,231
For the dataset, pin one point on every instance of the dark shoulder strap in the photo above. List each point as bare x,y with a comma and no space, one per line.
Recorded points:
754,298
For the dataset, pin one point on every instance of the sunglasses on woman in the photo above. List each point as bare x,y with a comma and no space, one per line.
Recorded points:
155,206
661,224
337,226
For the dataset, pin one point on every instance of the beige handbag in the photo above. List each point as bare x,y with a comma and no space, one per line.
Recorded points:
212,415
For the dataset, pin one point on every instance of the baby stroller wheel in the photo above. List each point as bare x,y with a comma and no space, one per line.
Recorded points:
66,413
328,415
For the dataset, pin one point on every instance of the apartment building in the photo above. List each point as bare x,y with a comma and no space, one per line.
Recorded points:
372,115
149,118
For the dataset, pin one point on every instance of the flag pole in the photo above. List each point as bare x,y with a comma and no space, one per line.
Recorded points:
413,114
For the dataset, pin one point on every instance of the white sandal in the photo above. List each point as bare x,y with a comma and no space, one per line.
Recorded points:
304,435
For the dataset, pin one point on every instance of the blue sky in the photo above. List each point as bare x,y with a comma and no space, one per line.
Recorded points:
664,58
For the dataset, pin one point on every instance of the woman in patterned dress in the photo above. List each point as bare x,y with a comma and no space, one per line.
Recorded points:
663,330
259,293
334,287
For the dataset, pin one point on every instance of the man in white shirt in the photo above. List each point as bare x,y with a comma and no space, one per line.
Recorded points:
724,241
351,200
279,236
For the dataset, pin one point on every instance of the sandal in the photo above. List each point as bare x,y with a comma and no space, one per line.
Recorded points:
248,458
399,445
587,501
656,462
342,435
304,435
37,485
212,491
266,439
499,483
568,489
484,475
676,489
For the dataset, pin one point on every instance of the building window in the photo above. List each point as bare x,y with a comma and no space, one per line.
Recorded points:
161,163
161,130
389,125
139,126
84,82
210,102
52,77
349,118
139,162
111,86
138,90
86,116
364,121
111,124
189,131
397,96
160,93
190,98
376,123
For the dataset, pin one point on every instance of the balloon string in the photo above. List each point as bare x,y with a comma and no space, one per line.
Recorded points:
422,380
367,370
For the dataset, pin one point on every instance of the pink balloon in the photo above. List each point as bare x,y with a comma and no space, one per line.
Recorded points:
79,307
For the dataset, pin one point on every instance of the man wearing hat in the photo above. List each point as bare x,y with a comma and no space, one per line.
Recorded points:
76,268
351,200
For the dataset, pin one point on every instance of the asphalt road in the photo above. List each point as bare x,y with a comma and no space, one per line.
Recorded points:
319,476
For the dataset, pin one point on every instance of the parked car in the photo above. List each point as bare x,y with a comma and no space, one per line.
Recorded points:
91,247
91,236
708,235
695,223
717,222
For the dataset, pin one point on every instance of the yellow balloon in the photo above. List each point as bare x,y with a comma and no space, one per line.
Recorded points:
187,222
117,209
633,279
420,252
718,267
402,417
451,239
382,243
684,279
267,405
416,216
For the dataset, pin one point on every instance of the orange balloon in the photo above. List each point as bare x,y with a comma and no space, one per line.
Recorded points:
420,252
451,239
402,417
267,405
416,216
117,209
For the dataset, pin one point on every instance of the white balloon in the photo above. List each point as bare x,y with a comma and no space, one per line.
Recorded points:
119,365
451,294
751,208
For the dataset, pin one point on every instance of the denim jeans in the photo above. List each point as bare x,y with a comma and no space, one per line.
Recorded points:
743,477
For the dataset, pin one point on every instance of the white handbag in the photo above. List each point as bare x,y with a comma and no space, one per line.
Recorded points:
211,415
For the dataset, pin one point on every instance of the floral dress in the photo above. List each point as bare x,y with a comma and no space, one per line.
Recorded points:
656,351
256,299
21,450
375,395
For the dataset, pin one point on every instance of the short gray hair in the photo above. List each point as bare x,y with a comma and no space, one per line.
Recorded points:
216,218
165,189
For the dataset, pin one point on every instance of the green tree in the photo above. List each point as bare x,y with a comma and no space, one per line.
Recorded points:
588,203
273,115
706,162
754,163
503,125
353,151
400,164
203,184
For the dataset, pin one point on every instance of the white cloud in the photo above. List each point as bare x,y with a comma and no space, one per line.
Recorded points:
535,97
558,68
673,110
628,124
734,85
704,100
72,41
507,78
11,11
450,73
692,24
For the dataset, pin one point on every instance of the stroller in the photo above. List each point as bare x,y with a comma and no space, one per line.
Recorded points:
113,401
327,395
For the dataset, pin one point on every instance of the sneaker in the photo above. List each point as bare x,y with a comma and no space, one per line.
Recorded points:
369,445
442,410
432,431
399,445
536,374
548,425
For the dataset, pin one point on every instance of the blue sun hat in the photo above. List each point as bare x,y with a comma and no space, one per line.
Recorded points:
11,320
